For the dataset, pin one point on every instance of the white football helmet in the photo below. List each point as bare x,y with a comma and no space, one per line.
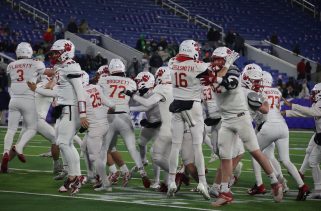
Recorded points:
103,70
145,80
24,50
189,48
316,92
62,50
219,57
163,75
116,66
267,79
84,78
252,77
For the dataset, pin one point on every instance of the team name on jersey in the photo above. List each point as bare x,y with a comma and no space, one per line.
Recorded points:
183,68
20,66
271,92
112,81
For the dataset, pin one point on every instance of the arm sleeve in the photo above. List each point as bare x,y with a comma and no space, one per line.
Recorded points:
139,108
46,92
76,83
302,111
148,102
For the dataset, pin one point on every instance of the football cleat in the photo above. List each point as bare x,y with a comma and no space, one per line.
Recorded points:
133,170
145,162
61,175
107,188
4,163
57,167
113,177
63,189
146,181
21,157
223,199
172,189
285,187
203,190
194,190
315,195
214,192
155,186
179,179
163,188
303,193
126,178
277,192
76,184
214,157
257,190
46,154
66,186
83,179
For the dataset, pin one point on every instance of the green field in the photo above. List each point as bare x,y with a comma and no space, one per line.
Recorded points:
29,186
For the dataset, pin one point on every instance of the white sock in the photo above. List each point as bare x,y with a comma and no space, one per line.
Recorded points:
124,168
112,169
257,172
273,178
224,187
199,163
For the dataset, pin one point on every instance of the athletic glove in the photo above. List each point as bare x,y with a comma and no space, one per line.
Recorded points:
230,59
209,79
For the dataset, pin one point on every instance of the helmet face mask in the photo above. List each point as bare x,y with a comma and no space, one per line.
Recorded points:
61,51
217,63
252,77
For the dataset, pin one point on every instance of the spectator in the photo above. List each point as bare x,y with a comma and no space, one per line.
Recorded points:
58,32
141,43
274,39
305,93
48,36
72,26
98,61
154,45
163,43
213,37
308,71
207,57
300,67
83,27
239,44
155,62
229,39
134,68
296,49
163,54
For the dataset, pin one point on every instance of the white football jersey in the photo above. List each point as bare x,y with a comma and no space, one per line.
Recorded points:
185,84
22,71
42,102
96,111
273,96
113,88
231,102
66,94
153,114
165,90
210,102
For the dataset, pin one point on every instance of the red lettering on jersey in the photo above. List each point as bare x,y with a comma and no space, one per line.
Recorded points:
112,81
183,68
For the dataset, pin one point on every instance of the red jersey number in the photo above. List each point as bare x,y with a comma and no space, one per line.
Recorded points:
180,80
120,90
275,101
96,100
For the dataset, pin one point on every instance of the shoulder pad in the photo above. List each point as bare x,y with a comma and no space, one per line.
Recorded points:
255,100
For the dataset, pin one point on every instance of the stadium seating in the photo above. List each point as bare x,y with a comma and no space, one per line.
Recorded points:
257,20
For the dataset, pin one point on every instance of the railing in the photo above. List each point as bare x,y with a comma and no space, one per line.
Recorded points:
37,14
209,24
4,56
306,5
177,8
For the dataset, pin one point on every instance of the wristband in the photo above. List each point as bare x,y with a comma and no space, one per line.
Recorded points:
82,107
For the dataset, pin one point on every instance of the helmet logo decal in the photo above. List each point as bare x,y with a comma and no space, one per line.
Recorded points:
145,78
67,47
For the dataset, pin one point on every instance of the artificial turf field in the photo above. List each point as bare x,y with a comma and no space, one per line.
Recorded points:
29,186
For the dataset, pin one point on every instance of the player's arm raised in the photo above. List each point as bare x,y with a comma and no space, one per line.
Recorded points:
302,111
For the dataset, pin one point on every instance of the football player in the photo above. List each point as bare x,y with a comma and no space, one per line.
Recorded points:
236,120
163,97
70,110
119,120
313,152
22,102
186,71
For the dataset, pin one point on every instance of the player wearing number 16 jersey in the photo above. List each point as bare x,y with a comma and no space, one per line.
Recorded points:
186,70
22,101
119,120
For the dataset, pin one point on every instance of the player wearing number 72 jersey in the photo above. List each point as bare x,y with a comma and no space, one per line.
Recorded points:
22,101
119,120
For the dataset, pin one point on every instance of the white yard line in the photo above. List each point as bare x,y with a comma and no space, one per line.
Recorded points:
109,200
